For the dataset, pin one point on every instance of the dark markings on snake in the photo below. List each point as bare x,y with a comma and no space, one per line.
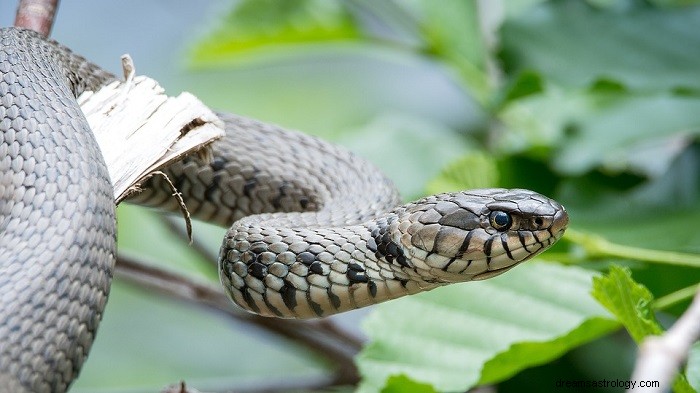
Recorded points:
464,247
396,252
318,310
372,244
383,247
393,250
469,263
277,200
372,288
504,242
356,276
402,261
487,249
316,267
288,293
447,266
257,270
249,185
335,300
249,300
521,237
271,307
306,258
210,191
218,163
403,282
258,248
355,267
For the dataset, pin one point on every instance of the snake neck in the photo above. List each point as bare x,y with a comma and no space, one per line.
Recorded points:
284,272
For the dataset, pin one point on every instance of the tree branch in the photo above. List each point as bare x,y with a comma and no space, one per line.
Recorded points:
37,15
660,357
319,336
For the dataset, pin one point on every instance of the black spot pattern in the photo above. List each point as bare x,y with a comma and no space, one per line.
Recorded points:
316,267
306,258
288,295
335,300
383,247
257,270
356,274
372,288
249,300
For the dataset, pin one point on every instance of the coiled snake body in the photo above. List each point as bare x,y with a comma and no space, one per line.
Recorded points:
316,230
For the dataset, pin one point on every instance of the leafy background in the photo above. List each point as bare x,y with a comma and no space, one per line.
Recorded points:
595,103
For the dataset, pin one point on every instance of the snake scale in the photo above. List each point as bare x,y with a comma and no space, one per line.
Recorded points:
316,230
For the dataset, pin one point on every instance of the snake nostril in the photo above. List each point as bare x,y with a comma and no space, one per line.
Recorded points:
539,222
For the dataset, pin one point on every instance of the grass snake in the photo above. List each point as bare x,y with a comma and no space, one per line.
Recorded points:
315,229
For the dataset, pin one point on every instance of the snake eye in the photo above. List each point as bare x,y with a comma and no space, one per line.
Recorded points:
500,221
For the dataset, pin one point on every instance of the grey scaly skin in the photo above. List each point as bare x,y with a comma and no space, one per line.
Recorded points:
316,230
57,222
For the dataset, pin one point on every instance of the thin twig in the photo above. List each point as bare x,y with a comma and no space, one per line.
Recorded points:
285,385
180,202
597,246
37,15
317,336
675,297
660,357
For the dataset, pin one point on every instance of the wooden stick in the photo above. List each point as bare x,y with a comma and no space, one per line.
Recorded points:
37,15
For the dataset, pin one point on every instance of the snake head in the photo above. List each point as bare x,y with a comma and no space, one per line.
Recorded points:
478,234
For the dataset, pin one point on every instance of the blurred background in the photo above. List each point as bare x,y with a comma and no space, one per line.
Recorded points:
595,103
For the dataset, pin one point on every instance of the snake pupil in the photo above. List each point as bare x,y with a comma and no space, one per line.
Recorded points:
501,220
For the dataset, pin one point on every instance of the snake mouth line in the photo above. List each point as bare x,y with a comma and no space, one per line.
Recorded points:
544,245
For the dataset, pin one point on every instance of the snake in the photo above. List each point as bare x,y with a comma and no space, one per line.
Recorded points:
314,229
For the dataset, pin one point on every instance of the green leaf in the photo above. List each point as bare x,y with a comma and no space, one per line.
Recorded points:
527,83
629,301
620,132
681,385
452,32
445,337
474,170
403,147
402,383
507,364
257,25
575,44
655,214
604,127
692,370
